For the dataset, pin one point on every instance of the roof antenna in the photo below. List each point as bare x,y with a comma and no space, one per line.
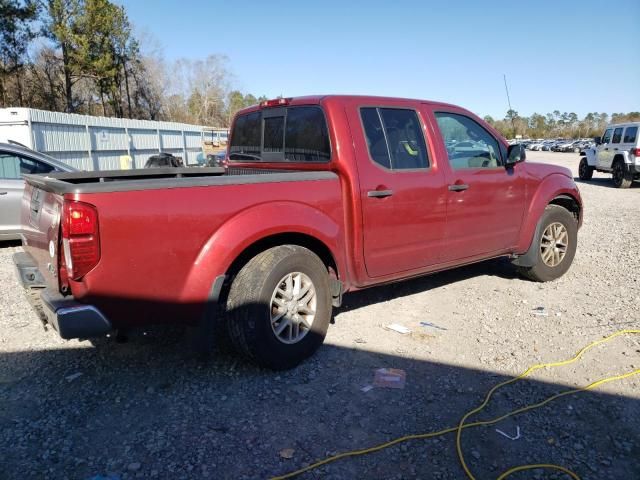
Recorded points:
509,102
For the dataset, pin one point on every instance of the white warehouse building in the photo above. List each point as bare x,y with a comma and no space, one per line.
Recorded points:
99,143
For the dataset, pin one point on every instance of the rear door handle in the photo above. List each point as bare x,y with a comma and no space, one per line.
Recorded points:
3,193
616,149
379,193
458,187
606,149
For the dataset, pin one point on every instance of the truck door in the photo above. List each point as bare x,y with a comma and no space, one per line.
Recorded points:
485,204
402,191
604,153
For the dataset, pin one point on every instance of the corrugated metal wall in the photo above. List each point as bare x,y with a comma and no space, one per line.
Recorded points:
91,143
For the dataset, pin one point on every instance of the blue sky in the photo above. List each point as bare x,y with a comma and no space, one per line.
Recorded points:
556,54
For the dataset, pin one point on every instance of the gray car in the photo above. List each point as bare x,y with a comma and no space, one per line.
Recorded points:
15,161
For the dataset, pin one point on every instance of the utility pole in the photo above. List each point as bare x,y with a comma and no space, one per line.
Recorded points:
509,102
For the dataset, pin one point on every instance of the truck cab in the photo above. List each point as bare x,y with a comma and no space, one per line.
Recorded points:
617,152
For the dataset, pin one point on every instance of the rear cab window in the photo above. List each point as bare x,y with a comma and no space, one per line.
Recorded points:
285,134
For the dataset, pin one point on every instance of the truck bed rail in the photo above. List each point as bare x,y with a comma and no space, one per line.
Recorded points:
157,178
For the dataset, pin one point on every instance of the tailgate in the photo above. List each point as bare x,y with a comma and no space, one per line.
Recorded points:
40,218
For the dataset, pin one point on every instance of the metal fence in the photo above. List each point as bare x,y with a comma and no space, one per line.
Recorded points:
100,143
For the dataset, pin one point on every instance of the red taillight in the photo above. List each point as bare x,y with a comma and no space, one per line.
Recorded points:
635,152
80,238
276,102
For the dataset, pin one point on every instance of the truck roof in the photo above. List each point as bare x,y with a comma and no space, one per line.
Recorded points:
317,99
623,124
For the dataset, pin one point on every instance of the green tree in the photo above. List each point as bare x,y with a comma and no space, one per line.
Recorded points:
16,32
105,52
62,27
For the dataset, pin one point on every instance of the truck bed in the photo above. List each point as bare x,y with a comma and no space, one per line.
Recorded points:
158,178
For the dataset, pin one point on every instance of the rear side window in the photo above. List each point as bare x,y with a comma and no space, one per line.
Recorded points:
293,134
617,135
630,135
394,138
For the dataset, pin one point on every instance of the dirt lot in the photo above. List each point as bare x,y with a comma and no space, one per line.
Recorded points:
143,409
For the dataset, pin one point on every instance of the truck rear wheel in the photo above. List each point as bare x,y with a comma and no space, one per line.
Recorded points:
279,307
621,178
555,245
585,172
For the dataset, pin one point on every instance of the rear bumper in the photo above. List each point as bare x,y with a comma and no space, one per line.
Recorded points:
68,317
72,319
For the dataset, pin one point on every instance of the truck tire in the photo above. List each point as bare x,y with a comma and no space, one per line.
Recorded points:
621,178
555,245
585,172
279,307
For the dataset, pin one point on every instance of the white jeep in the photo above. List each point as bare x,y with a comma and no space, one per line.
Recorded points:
616,152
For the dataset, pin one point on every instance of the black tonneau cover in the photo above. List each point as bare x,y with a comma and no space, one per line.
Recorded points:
157,178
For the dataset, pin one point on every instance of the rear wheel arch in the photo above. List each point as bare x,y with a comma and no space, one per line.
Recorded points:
618,158
309,242
296,239
211,329
279,306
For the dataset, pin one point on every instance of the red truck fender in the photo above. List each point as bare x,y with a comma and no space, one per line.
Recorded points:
255,225
555,188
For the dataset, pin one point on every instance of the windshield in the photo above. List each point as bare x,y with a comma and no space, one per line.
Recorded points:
293,134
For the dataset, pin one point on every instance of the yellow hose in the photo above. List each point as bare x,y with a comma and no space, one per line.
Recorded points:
462,425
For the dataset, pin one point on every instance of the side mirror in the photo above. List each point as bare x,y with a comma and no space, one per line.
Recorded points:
515,154
598,140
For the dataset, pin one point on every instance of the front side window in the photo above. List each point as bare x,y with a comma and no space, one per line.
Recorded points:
630,135
394,138
617,135
14,166
293,134
606,138
468,144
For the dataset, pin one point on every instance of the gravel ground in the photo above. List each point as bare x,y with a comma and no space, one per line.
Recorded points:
144,409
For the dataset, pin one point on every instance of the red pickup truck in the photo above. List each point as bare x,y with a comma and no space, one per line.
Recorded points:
319,196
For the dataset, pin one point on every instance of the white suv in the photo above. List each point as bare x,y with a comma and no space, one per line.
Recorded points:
617,152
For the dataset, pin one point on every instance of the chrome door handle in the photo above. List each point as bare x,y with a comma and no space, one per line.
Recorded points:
458,187
379,193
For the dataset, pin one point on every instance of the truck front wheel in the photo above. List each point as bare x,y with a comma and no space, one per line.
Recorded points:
555,245
279,307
